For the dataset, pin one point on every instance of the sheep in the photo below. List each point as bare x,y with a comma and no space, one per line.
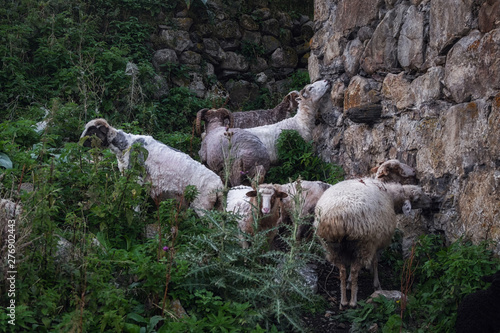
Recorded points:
303,195
302,122
356,218
264,206
480,311
395,171
255,118
221,147
168,169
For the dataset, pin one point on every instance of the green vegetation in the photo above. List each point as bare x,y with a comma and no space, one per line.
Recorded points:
84,263
435,278
297,159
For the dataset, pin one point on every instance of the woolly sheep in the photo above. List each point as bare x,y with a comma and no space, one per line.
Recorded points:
168,169
248,205
255,118
480,311
303,194
393,171
356,218
246,153
303,122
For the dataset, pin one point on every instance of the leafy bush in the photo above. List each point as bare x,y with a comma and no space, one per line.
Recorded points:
442,277
296,158
268,280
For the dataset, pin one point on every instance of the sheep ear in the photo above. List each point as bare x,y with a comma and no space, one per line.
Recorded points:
281,195
104,130
252,194
407,207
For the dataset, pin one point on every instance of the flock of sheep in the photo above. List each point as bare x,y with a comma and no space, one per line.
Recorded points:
354,219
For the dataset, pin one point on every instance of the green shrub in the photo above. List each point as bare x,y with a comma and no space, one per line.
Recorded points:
267,280
442,277
296,158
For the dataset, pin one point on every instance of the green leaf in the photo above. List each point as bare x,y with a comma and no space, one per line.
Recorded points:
5,161
136,317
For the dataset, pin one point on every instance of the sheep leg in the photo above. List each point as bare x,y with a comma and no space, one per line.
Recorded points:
355,267
376,282
343,286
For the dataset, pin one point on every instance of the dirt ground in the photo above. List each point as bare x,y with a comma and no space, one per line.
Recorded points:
329,289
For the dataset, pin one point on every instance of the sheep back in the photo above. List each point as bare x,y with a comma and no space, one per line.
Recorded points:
170,171
245,149
356,212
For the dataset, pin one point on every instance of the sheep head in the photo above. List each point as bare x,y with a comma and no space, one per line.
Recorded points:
314,92
395,171
414,198
269,194
101,129
291,100
214,116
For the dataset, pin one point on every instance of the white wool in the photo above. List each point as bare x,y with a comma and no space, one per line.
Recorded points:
302,122
168,169
356,218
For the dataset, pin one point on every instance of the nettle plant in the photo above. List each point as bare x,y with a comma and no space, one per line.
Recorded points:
435,279
297,159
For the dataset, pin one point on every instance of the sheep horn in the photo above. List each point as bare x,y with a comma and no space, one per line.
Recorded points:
199,116
228,114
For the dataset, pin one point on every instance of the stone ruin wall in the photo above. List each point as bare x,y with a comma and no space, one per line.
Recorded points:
418,81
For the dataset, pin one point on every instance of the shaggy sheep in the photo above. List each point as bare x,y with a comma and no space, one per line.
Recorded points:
248,205
480,311
393,171
222,147
356,218
302,122
254,118
303,195
168,169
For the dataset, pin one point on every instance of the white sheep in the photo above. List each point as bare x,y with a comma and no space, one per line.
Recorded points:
255,118
301,201
356,218
234,150
303,121
480,311
249,205
168,169
393,171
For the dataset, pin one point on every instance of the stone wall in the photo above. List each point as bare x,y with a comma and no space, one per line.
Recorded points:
231,49
418,81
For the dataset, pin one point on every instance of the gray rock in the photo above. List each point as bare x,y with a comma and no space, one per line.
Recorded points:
352,55
190,57
381,50
284,57
473,67
489,16
177,40
270,44
241,92
271,27
163,57
428,87
411,40
234,62
248,23
253,37
227,30
213,49
449,20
